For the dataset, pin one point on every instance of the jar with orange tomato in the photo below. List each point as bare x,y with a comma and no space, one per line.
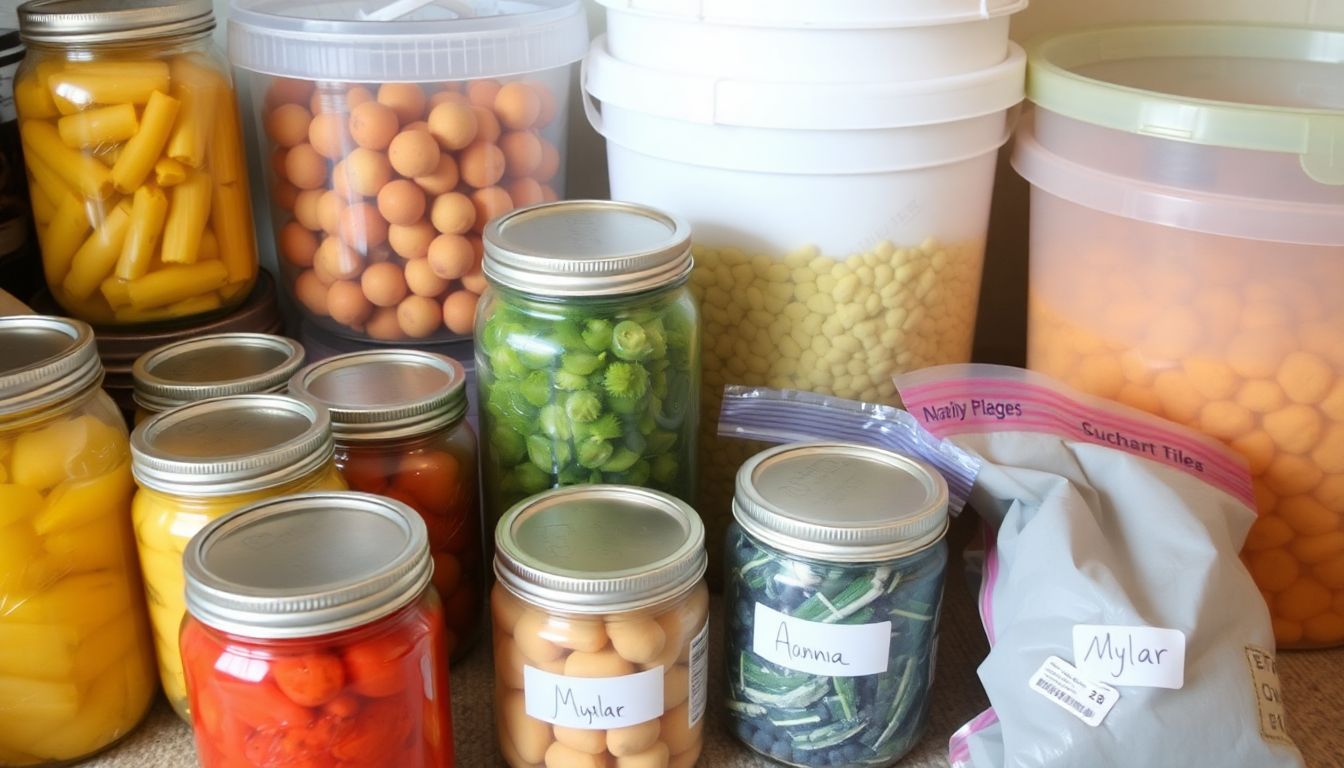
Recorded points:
399,419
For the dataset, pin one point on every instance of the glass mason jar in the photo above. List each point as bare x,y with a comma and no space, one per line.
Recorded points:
587,351
315,638
399,417
217,365
601,629
833,587
201,461
132,141
76,664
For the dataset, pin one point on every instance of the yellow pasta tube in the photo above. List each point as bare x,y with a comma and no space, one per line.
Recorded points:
177,283
69,226
232,222
187,214
231,291
200,90
43,208
116,291
104,125
46,179
107,155
84,87
197,305
228,162
168,172
97,257
81,172
147,69
149,208
32,98
209,246
142,151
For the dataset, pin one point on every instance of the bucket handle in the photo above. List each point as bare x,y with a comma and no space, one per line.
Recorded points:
590,107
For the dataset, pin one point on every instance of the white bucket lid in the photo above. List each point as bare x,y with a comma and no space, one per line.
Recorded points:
405,40
828,14
803,106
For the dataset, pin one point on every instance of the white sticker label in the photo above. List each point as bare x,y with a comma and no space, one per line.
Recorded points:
834,650
593,703
1058,681
1149,657
1268,697
699,675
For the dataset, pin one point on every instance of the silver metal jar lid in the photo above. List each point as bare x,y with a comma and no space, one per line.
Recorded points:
44,360
217,365
112,21
841,502
576,248
599,548
229,445
306,565
385,394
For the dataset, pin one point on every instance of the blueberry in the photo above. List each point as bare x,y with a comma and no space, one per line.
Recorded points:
781,750
761,741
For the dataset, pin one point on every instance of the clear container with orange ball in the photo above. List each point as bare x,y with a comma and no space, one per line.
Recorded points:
399,419
393,141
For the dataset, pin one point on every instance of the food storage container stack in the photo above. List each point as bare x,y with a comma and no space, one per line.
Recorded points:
1187,257
134,152
835,162
393,132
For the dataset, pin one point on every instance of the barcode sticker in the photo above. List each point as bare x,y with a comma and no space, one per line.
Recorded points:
1059,681
699,663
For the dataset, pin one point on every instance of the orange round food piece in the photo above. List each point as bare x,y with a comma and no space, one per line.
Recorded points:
430,476
453,124
311,293
443,179
550,163
374,666
368,471
1316,549
357,95
297,244
330,135
525,192
306,208
422,280
287,124
1323,629
487,125
413,153
445,97
451,256
373,125
310,680
305,168
548,194
1267,532
1307,516
1286,632
452,213
401,202
481,164
406,100
347,303
366,171
459,311
329,208
419,316
362,227
1331,572
517,106
286,90
447,573
474,280
549,108
522,153
384,284
482,93
490,202
383,325
337,259
411,241
1302,600
1274,570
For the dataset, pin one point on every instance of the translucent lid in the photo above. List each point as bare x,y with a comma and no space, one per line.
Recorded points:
599,548
842,502
830,14
216,365
231,445
306,565
108,21
386,394
405,40
587,248
44,360
1273,89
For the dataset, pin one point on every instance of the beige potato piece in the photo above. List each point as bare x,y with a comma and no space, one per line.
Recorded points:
677,732
505,609
604,663
685,759
676,686
639,640
633,739
1295,428
531,737
657,756
577,634
529,632
593,742
561,756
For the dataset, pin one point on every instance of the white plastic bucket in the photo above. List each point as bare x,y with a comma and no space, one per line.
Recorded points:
809,41
839,228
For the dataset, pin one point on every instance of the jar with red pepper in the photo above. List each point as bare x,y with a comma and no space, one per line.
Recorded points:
399,420
314,637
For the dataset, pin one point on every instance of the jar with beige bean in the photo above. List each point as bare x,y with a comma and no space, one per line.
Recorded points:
600,630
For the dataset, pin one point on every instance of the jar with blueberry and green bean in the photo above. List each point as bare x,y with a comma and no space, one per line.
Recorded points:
588,352
834,580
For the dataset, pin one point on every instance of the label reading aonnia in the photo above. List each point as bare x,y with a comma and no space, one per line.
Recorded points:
834,650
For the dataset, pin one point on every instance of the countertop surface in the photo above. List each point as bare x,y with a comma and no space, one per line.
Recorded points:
1311,686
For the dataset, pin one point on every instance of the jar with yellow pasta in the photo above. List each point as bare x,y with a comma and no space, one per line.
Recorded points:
76,665
135,160
203,460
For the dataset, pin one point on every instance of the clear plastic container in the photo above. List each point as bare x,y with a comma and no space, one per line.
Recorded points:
835,565
315,638
1187,245
399,419
76,662
204,460
216,365
134,150
393,132
836,243
601,624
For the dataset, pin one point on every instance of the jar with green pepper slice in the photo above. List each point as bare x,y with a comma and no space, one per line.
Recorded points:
835,565
587,351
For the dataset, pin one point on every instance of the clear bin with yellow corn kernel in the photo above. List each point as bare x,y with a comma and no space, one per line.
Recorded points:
839,230
1187,258
135,161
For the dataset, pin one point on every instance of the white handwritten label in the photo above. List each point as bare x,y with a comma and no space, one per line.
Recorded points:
1147,657
834,650
1268,696
1087,700
699,672
593,703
